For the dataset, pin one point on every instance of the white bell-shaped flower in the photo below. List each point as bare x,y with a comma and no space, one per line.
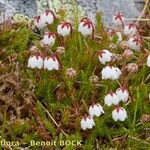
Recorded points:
64,28
86,27
117,73
110,72
119,114
106,72
51,63
96,110
118,19
35,61
130,29
49,39
148,61
111,98
39,23
48,17
122,94
104,56
87,122
135,43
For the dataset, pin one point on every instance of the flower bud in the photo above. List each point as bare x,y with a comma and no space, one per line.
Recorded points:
132,67
70,72
124,44
127,53
34,49
94,79
60,50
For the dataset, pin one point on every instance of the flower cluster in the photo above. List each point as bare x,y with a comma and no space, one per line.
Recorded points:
110,71
113,98
131,31
87,122
37,60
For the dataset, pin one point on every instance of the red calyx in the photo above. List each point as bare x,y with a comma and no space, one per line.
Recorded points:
137,40
100,53
37,18
51,12
51,34
67,24
119,16
132,25
111,93
117,107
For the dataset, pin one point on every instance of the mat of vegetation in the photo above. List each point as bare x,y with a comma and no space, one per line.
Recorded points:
49,103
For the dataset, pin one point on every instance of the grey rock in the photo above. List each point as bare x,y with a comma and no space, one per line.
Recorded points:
6,11
27,7
110,7
131,8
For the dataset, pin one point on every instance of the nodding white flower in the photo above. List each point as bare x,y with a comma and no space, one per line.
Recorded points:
119,113
110,72
64,28
38,22
51,63
104,56
122,94
94,79
49,39
48,17
127,53
36,61
87,122
135,43
86,27
111,98
148,61
132,67
118,19
96,110
70,72
130,30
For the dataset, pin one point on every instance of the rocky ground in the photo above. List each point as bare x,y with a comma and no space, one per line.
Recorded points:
131,8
